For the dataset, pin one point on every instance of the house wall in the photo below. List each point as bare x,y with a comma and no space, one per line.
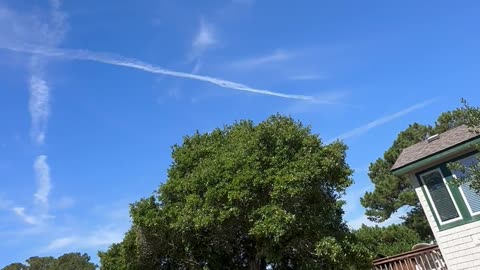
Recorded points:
460,246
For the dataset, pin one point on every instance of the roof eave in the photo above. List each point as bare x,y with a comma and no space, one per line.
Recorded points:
435,157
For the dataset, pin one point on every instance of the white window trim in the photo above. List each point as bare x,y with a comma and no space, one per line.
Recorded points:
460,217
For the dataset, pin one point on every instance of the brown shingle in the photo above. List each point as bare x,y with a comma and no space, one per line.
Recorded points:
425,149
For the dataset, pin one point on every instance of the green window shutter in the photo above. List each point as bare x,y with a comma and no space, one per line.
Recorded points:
440,195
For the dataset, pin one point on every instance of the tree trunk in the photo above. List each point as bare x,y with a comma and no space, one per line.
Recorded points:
258,264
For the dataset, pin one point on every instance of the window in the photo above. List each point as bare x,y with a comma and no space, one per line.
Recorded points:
471,198
440,196
451,205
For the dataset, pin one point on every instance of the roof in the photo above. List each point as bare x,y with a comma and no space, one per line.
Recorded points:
424,149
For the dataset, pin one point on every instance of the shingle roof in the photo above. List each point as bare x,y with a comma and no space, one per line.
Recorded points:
425,149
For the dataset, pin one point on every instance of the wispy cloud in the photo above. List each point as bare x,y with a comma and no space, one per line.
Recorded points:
39,89
205,36
204,39
336,97
30,219
73,233
39,107
112,221
197,66
139,65
381,121
262,60
42,173
62,242
25,28
39,212
99,238
49,33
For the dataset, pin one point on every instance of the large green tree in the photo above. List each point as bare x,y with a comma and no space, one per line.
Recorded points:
245,196
393,192
69,261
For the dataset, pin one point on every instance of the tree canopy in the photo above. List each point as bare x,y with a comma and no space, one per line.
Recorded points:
69,261
245,196
393,192
387,241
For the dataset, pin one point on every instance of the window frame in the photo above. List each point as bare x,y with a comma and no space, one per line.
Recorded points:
467,203
448,176
473,214
432,203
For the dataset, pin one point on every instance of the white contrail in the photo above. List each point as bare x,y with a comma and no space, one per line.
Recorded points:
136,64
380,121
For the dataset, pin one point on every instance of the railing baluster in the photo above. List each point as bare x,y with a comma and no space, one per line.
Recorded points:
436,260
423,261
416,262
428,258
412,264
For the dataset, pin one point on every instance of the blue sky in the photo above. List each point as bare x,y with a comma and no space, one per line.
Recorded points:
93,94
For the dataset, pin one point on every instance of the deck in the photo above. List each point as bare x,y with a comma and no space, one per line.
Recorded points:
426,258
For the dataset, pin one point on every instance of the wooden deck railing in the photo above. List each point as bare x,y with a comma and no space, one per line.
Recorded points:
427,258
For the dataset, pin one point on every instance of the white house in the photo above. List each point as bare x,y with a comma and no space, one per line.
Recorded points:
453,212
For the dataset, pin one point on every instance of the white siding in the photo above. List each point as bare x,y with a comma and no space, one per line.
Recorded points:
460,246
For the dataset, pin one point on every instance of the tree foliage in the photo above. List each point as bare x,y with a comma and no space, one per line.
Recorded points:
69,261
393,192
73,261
387,241
16,266
244,197
470,173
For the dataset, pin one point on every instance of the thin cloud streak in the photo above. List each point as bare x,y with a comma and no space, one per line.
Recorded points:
20,212
365,128
49,34
39,107
42,173
39,89
112,223
41,196
139,65
275,57
100,238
